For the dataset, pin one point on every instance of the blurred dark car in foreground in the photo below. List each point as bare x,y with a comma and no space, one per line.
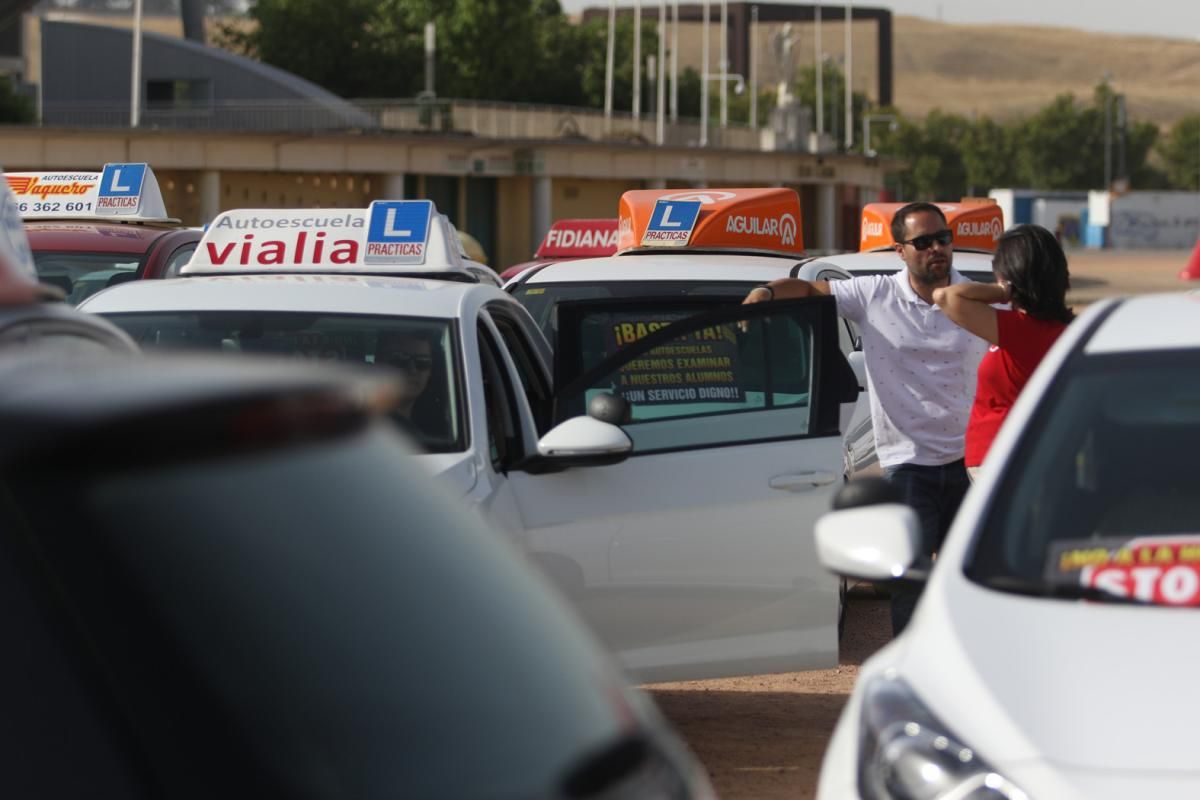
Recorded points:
228,579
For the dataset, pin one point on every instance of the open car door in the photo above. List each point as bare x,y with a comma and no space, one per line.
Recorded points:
694,557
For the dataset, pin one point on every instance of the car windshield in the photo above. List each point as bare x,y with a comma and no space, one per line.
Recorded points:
81,275
541,299
420,351
1099,498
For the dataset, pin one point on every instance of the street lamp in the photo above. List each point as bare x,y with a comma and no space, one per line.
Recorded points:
893,124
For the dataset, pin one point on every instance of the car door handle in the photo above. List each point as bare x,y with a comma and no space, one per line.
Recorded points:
802,481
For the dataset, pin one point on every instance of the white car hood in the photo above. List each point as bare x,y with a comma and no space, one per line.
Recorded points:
1075,685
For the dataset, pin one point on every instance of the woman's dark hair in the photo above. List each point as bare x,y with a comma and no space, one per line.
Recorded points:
1030,258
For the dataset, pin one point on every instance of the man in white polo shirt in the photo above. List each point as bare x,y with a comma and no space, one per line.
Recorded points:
920,371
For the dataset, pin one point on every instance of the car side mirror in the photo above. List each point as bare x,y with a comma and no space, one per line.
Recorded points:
871,534
874,543
584,442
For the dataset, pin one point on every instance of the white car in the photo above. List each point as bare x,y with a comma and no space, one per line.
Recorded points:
716,268
1053,652
976,226
683,533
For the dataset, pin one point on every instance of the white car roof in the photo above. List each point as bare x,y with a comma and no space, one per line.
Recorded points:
890,260
1150,322
667,267
722,266
336,294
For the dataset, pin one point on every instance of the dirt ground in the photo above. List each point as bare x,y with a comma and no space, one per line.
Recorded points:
763,736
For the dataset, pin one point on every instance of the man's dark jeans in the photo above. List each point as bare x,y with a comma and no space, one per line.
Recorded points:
935,493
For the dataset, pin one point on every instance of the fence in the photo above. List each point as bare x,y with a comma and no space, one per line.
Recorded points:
486,119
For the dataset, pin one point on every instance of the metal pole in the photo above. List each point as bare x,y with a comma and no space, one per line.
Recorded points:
724,63
660,97
608,66
753,66
430,52
1107,136
849,77
820,71
637,59
674,61
704,74
135,84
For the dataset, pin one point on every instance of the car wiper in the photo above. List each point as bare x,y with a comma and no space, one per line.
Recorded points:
1058,591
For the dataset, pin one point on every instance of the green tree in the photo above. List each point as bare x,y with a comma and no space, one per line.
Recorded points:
521,51
933,150
353,48
1061,146
989,156
594,54
1180,152
490,49
15,108
833,88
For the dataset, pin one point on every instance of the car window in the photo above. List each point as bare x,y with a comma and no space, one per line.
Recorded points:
503,425
181,256
541,299
420,352
80,275
1102,479
529,369
728,382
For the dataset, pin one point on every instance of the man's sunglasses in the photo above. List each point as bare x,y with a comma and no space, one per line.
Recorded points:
924,242
407,362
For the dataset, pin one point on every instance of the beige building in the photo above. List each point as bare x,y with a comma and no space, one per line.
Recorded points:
502,172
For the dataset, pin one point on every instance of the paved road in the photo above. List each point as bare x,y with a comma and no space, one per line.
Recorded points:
762,737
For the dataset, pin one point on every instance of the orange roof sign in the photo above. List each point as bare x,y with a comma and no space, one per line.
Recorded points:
976,225
711,219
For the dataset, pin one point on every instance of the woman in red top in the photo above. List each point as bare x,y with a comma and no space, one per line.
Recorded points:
1031,275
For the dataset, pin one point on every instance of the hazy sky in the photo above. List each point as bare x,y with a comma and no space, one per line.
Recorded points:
1175,18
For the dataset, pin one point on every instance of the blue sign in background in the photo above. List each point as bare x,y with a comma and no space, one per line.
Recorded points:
122,180
408,221
674,215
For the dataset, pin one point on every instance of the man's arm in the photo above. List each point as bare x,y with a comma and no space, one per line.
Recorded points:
786,289
969,305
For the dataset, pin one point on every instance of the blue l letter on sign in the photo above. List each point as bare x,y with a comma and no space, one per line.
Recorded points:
120,189
671,223
398,231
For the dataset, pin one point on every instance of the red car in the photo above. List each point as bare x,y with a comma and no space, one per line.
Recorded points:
82,258
89,230
569,239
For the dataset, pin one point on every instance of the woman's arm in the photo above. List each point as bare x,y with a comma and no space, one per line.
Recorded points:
969,305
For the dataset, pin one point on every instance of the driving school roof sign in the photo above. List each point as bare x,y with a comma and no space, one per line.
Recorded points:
976,225
120,192
579,238
765,220
392,236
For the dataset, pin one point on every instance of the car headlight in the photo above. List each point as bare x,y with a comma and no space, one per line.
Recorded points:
905,753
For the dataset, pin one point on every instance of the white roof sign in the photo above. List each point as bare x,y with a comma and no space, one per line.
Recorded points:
14,245
391,236
120,192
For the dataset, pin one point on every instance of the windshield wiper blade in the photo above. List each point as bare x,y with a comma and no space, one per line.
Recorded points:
1059,591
